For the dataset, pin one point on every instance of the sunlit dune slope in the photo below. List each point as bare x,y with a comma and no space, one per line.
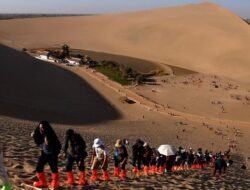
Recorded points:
202,37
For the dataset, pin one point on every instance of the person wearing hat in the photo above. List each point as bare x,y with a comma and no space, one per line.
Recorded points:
147,154
99,158
120,158
75,151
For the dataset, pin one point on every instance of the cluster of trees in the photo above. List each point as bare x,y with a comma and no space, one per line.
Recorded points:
126,72
64,53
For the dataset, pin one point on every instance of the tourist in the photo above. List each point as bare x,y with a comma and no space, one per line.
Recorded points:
190,158
137,156
75,151
45,137
161,162
220,164
169,163
99,158
147,154
153,161
120,159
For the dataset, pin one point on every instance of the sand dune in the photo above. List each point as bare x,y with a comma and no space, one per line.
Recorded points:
33,90
203,37
21,166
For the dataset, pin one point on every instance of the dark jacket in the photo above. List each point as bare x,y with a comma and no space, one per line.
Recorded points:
54,145
138,150
148,152
75,146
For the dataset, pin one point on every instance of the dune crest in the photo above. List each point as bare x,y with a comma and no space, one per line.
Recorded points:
202,37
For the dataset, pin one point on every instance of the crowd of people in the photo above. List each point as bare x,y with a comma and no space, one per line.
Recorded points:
145,159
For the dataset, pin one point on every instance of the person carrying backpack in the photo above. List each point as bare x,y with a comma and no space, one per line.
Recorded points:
75,151
45,137
220,164
147,154
137,156
120,158
153,161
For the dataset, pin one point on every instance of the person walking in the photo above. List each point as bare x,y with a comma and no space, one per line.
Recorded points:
99,158
137,156
147,154
75,151
120,159
45,137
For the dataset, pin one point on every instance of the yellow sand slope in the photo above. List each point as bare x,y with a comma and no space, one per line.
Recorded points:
202,37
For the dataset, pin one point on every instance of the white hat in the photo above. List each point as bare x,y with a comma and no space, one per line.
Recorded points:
145,144
97,143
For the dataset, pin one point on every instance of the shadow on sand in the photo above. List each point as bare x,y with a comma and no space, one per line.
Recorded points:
33,90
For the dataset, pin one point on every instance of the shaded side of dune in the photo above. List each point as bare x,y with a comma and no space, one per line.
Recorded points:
34,90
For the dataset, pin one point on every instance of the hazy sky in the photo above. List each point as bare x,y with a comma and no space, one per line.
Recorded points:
240,7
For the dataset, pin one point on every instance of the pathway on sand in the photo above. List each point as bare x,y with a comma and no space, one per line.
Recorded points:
153,106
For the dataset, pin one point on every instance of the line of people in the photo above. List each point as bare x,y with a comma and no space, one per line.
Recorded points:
74,150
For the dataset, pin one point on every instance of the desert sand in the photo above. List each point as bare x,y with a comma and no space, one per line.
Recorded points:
204,38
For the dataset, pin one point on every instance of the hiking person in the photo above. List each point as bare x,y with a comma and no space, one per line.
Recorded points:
147,154
137,156
180,158
120,158
169,163
99,158
153,161
74,151
200,158
160,162
207,158
220,164
183,159
45,137
190,158
5,183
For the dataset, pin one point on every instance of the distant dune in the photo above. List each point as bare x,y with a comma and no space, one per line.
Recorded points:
203,37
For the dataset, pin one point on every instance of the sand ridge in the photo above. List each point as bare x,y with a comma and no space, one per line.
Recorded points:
202,37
